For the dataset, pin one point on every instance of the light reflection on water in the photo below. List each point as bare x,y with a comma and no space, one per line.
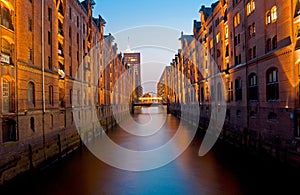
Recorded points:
224,170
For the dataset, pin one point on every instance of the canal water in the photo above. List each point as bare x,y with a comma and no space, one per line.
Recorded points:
224,170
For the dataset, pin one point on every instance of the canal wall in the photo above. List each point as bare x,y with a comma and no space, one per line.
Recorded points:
22,157
255,142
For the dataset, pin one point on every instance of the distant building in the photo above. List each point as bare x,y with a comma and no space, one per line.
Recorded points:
162,86
133,61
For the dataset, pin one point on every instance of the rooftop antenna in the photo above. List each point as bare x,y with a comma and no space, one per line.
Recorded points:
128,45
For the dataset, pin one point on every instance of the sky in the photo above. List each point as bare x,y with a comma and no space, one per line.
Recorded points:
127,20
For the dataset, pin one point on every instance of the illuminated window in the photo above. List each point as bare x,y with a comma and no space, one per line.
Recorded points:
272,84
218,37
268,17
250,7
274,13
237,19
226,32
271,16
211,44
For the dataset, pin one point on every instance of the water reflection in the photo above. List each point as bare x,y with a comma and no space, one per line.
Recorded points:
224,170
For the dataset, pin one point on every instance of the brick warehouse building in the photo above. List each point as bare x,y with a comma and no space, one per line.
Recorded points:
256,47
43,43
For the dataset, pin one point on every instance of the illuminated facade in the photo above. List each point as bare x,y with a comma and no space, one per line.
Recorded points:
53,71
133,61
255,45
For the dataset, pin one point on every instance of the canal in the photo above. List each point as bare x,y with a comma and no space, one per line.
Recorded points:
224,170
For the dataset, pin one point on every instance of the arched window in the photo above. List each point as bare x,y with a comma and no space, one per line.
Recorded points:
272,84
9,130
253,87
238,89
31,95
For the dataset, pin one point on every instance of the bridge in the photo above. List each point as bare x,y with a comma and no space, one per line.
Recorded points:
149,101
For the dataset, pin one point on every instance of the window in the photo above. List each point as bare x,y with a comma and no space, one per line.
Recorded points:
218,36
71,93
274,13
254,52
238,59
32,124
9,133
7,103
31,95
271,15
268,17
6,18
49,14
230,91
238,90
70,13
225,16
237,40
211,44
30,54
227,51
250,7
251,30
61,98
226,32
217,22
29,24
51,95
60,50
60,28
272,84
253,87
274,42
50,62
6,50
237,19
